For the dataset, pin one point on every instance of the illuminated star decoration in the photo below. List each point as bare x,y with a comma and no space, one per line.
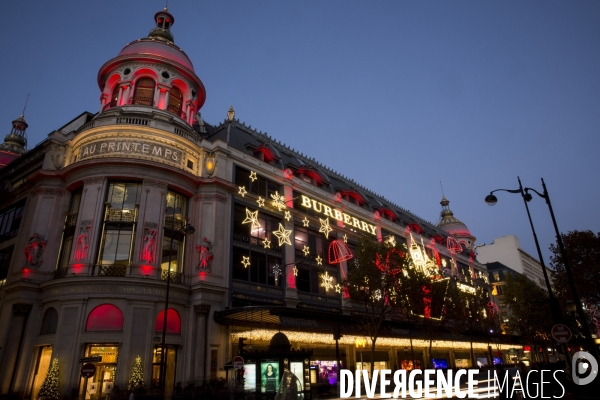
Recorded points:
306,250
287,216
246,261
327,281
390,241
325,228
283,235
278,201
338,288
242,191
252,218
319,260
260,201
345,238
253,176
267,243
305,222
295,270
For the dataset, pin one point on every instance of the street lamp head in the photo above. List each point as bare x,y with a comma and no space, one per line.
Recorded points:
188,229
527,197
491,200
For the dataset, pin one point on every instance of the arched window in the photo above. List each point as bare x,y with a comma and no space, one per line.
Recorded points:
175,101
144,92
105,318
173,322
115,97
49,322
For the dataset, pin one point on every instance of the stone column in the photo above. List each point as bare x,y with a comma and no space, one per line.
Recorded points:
10,361
202,311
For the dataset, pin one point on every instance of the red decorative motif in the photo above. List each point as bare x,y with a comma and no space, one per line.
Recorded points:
288,173
385,266
433,253
149,248
426,301
82,246
493,308
377,215
339,252
453,245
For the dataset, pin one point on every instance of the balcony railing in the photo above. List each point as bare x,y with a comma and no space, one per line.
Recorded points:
112,270
176,277
142,100
124,215
173,223
60,273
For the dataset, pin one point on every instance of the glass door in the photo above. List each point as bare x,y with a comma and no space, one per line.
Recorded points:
171,359
101,384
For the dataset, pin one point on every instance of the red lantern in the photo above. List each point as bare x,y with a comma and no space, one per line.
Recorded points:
339,251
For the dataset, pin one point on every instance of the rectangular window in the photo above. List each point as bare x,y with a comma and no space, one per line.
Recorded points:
317,280
69,230
5,256
10,219
244,232
310,244
257,267
260,186
174,237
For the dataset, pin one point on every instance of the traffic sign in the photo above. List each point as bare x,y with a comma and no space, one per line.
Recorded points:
238,362
84,360
561,333
88,370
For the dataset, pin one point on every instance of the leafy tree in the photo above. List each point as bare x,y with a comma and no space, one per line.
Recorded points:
50,389
583,252
137,375
529,309
372,283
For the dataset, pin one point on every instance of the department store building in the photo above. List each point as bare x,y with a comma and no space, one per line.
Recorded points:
95,222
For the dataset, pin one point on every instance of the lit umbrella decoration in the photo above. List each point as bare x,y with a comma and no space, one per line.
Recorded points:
339,252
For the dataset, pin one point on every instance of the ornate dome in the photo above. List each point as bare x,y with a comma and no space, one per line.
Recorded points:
157,48
449,223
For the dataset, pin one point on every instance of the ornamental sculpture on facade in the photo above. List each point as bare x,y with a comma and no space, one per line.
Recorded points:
149,246
34,251
205,255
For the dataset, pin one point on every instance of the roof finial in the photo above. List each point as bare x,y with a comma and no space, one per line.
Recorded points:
167,6
230,113
24,107
442,186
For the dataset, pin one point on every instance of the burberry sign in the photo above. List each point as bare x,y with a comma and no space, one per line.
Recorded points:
134,147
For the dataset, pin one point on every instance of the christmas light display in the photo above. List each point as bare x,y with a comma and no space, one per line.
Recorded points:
319,260
305,222
325,228
267,243
453,245
338,288
137,375
252,218
295,269
390,241
287,216
595,313
276,272
326,281
345,238
306,250
265,335
339,252
242,191
283,235
50,389
260,201
253,176
278,201
245,261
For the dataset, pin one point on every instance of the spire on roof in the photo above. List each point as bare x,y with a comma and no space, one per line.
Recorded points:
164,21
230,113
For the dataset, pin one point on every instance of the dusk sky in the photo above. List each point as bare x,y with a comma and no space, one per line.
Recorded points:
397,95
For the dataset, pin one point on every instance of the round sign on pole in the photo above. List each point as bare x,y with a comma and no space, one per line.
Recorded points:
238,362
561,333
88,370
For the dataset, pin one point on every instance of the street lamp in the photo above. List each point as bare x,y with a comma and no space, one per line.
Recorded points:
492,200
186,229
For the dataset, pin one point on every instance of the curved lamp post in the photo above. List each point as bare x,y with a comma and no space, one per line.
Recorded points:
492,200
186,229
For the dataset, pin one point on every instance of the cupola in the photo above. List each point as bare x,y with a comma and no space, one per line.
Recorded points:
455,227
153,73
15,142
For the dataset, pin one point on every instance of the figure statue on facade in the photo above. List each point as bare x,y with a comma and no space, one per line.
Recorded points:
82,245
149,246
34,251
205,255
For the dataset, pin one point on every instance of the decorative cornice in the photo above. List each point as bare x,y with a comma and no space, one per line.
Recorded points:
47,191
202,309
156,184
93,181
215,196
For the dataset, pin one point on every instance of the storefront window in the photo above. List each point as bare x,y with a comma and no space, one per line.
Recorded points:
100,386
170,361
257,267
44,357
245,232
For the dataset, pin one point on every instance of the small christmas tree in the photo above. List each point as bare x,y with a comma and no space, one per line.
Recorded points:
50,389
137,374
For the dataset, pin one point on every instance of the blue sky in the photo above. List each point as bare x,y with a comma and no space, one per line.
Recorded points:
398,95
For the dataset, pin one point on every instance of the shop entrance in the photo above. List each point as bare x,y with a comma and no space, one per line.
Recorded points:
100,386
171,361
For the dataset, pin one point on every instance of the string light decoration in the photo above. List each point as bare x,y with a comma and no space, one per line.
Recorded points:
276,272
453,246
245,261
326,281
287,216
345,238
595,313
390,241
253,176
260,201
308,338
306,250
283,235
278,201
252,218
338,288
325,228
339,252
420,257
242,191
137,375
305,222
50,389
267,243
295,269
319,260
